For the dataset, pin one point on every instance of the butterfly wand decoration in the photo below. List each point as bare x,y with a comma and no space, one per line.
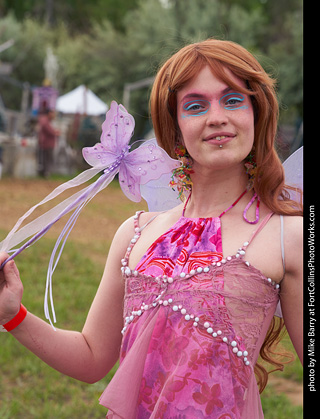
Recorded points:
111,156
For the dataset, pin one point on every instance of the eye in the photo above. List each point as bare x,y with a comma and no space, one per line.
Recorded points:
195,108
233,101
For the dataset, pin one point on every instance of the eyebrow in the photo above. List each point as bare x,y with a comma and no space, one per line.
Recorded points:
195,95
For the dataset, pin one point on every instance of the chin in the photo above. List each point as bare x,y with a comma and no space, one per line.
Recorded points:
220,160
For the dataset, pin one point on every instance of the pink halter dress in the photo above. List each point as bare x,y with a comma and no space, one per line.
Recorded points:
194,322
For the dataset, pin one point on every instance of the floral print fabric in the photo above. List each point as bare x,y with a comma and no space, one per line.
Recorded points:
190,243
193,321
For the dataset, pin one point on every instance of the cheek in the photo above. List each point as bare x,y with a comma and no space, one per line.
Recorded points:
187,129
247,125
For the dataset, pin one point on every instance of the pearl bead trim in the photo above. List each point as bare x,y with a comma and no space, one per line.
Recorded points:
164,280
196,322
240,253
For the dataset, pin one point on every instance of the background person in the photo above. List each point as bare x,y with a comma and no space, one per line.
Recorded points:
47,138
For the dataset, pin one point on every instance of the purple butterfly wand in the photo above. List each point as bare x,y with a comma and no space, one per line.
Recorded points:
112,156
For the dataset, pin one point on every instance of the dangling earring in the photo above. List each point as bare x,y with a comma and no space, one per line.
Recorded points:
181,176
251,168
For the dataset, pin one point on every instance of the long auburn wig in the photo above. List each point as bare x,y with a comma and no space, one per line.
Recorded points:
269,182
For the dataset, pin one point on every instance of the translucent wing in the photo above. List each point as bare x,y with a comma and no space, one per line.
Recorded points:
142,165
117,130
159,196
97,156
293,169
129,183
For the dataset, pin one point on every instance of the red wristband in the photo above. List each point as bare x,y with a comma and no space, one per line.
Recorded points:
12,324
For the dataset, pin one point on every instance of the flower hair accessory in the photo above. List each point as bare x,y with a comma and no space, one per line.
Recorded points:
111,156
181,176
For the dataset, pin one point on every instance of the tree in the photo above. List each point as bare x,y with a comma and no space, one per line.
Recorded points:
107,47
76,14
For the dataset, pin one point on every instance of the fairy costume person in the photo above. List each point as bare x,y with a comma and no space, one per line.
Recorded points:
197,306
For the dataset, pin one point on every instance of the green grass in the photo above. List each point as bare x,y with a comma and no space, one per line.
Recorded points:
293,370
30,389
278,406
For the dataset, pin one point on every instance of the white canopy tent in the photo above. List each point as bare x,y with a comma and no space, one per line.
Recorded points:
81,100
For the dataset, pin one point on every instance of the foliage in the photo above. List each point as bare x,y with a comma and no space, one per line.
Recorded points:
105,44
76,14
290,71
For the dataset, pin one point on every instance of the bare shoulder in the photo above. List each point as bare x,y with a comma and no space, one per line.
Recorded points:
121,240
164,219
152,225
293,224
126,231
293,242
291,294
293,229
127,228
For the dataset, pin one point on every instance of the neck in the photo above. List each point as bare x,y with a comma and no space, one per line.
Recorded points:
213,193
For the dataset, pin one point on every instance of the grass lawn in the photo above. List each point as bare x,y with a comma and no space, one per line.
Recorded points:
28,387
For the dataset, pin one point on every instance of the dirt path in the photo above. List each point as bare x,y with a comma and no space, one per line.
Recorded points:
98,221
292,389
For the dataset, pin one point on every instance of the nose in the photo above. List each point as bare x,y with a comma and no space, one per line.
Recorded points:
217,115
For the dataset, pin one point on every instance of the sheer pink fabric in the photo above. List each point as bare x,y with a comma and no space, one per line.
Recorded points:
194,323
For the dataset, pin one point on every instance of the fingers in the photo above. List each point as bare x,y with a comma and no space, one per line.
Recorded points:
11,290
6,267
3,257
9,273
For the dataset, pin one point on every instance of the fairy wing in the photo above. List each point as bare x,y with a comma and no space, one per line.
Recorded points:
97,156
158,195
117,129
293,169
144,164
